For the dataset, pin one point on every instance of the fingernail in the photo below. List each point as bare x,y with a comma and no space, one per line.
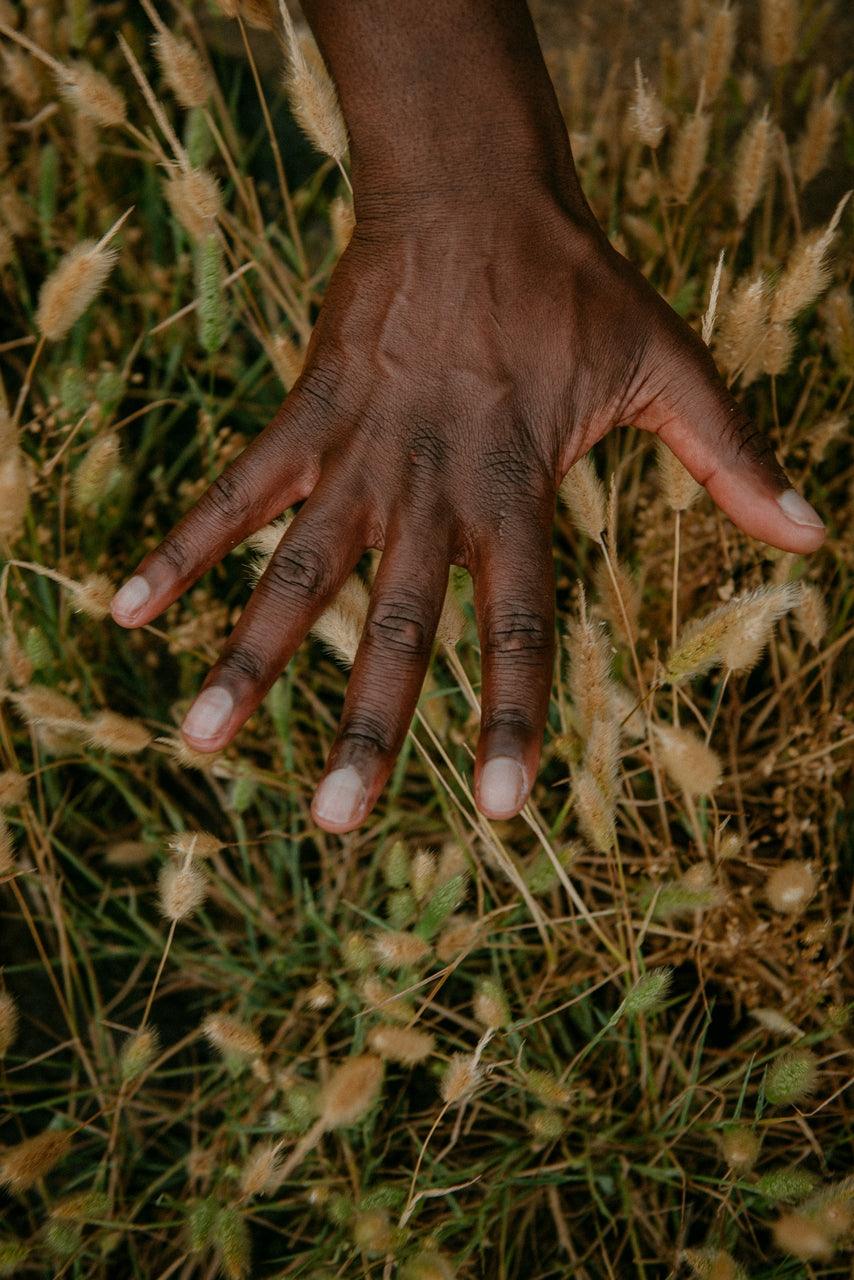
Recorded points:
130,598
340,796
799,510
502,785
209,713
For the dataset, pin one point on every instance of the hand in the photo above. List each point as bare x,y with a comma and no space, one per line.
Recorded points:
469,350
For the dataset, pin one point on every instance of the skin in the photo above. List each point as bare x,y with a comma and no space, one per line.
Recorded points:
478,336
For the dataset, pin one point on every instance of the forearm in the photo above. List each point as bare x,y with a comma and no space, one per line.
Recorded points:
443,97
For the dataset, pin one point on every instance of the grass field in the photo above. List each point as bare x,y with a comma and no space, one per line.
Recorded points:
609,1038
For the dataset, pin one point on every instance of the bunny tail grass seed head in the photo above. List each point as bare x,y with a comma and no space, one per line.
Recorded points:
786,1185
806,272
778,24
286,357
743,323
311,92
740,1147
210,294
690,148
116,733
718,46
791,1077
406,1045
815,142
646,114
490,1005
72,286
713,1264
195,200
95,471
351,1091
7,849
837,312
48,708
428,1265
340,625
734,634
92,94
678,486
183,69
194,844
183,888
688,762
23,1165
583,494
752,165
233,1243
13,789
461,1078
14,496
92,596
790,887
811,614
8,1022
590,683
233,1039
800,1236
649,993
399,950
259,1175
596,812
138,1053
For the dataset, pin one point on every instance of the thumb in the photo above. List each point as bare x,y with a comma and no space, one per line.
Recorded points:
711,435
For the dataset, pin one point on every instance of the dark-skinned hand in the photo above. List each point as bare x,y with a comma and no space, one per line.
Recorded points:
478,336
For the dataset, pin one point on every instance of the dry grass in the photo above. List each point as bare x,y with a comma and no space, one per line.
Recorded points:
613,1031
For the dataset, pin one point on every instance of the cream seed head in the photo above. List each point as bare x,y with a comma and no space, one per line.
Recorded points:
233,1039
398,950
72,286
678,486
351,1091
183,889
740,1147
92,596
116,733
790,887
194,198
461,1078
183,69
583,494
311,93
406,1045
23,1165
92,94
688,762
646,114
341,624
752,165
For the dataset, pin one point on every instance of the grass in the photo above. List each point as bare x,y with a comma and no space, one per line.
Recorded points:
635,1050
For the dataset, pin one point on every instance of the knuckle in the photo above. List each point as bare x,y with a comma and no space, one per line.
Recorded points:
244,662
227,497
368,730
508,719
519,636
397,623
298,570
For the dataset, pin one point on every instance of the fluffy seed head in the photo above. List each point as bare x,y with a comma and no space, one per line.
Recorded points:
688,761
351,1091
802,1237
231,1235
85,1206
811,614
92,94
649,992
195,844
584,496
548,1089
96,470
452,620
138,1053
790,887
312,94
460,934
713,1264
14,496
183,69
232,1038
7,849
13,789
806,272
286,358
22,1166
590,683
372,1231
596,812
786,1186
8,1023
128,853
490,1005
194,198
342,220
183,889
461,1078
689,155
646,114
72,286
743,324
740,1147
778,20
118,734
397,950
42,706
678,486
814,144
92,596
791,1076
752,163
718,46
259,1175
734,634
428,1265
406,1045
838,316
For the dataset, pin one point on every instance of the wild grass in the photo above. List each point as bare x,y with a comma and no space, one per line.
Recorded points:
608,1038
